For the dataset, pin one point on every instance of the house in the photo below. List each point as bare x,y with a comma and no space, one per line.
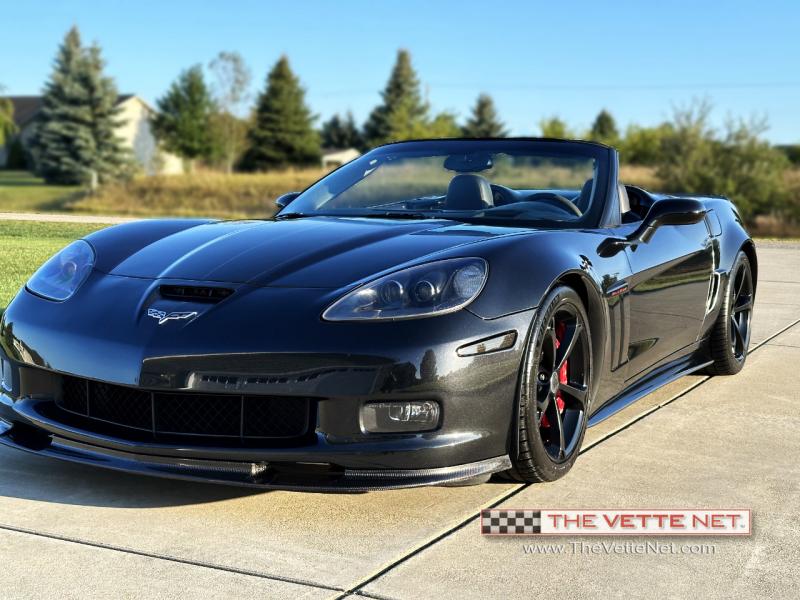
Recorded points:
135,132
333,158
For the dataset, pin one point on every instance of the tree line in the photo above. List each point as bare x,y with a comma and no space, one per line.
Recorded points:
281,129
200,118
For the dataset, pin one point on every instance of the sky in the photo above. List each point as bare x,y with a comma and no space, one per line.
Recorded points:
640,60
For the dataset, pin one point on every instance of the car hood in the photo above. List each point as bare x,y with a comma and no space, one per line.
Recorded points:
327,252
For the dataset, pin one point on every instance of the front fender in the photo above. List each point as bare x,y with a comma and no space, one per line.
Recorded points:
522,269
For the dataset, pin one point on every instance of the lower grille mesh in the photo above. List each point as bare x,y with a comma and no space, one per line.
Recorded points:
187,413
75,395
117,404
200,415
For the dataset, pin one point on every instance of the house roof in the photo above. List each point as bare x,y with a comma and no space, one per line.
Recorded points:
334,151
27,107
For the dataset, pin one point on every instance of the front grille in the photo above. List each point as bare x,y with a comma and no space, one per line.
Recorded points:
116,404
199,415
164,414
75,395
275,416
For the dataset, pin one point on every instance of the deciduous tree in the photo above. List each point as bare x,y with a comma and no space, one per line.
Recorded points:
739,163
231,84
604,129
554,127
6,118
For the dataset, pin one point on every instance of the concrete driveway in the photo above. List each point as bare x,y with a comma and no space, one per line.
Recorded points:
72,531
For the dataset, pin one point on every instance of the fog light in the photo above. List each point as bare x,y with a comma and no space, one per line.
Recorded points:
390,417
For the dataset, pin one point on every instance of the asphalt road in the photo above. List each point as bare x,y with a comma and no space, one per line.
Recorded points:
71,531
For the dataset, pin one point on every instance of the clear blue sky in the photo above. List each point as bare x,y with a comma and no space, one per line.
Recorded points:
570,58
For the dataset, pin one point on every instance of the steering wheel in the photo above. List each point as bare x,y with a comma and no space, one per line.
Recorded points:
557,199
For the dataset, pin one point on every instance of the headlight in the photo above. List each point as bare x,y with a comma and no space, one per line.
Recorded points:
61,276
427,290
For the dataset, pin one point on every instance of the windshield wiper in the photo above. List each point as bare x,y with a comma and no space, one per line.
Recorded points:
387,214
391,214
292,215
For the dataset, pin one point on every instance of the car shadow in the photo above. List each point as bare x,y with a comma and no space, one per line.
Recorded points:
42,479
30,477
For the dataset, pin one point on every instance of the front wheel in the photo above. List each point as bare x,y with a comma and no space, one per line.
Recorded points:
554,389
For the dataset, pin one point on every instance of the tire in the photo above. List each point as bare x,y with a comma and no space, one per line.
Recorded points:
730,336
552,416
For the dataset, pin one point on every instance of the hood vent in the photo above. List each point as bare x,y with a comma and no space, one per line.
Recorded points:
194,293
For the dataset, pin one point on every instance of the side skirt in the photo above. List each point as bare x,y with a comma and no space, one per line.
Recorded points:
658,378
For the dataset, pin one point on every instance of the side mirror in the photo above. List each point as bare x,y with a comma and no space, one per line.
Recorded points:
670,211
286,199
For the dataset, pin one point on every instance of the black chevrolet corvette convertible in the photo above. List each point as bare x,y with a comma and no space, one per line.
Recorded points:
431,313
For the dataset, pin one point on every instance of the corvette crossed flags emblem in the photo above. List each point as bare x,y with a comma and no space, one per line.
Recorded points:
163,317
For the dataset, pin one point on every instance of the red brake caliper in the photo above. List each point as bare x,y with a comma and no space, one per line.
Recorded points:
562,373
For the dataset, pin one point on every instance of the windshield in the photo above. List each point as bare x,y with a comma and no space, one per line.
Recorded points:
471,180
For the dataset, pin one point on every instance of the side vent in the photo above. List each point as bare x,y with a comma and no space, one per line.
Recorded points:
195,293
713,292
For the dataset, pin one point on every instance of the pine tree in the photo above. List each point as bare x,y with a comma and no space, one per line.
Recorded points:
110,161
183,123
283,132
604,129
74,140
341,133
403,114
484,121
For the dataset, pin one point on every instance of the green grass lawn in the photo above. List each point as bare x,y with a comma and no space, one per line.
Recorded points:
23,192
24,246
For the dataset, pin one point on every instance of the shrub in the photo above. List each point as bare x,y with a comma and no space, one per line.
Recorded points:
738,164
644,145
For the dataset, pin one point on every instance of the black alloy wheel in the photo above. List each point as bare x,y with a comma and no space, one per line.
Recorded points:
554,389
730,337
741,310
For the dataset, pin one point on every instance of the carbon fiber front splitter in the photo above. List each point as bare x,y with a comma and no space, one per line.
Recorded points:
292,477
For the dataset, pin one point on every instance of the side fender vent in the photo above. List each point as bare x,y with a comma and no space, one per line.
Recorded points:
713,292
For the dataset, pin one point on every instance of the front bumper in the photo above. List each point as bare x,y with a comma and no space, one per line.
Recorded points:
248,474
342,366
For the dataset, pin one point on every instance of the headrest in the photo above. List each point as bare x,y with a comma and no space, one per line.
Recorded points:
469,192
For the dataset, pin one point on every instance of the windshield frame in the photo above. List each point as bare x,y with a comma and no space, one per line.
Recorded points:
603,155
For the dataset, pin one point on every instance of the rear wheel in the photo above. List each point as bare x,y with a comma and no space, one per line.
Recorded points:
554,389
730,336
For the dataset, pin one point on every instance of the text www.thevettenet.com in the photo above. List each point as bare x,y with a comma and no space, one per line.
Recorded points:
621,548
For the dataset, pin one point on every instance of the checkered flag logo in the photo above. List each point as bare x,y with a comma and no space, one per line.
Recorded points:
510,522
